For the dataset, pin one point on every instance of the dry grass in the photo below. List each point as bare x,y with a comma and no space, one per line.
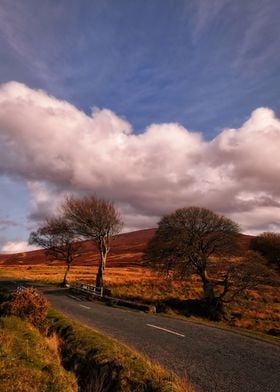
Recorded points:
259,310
127,279
26,362
53,343
100,361
6,341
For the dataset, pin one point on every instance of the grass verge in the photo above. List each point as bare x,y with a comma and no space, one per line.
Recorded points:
103,364
27,363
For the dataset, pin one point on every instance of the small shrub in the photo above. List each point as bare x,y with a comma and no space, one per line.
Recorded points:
29,305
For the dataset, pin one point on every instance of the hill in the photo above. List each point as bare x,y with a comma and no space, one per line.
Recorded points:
127,250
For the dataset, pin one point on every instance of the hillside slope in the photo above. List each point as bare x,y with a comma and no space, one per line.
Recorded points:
127,249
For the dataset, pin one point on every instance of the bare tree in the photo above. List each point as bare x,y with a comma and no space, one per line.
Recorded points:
184,242
59,240
96,220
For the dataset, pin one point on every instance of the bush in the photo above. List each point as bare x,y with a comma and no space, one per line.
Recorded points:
29,305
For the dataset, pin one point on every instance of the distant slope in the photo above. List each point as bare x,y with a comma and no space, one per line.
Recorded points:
127,249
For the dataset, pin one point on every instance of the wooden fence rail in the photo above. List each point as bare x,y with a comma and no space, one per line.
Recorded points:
87,289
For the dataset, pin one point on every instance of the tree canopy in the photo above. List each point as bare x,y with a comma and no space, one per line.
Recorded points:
57,236
184,242
96,220
186,239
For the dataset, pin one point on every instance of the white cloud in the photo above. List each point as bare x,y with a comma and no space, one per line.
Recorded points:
45,199
17,247
258,46
205,14
58,149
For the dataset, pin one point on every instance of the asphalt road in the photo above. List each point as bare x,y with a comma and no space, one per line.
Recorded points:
213,359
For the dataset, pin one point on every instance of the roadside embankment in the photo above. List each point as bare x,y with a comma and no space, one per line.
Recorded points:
27,362
101,361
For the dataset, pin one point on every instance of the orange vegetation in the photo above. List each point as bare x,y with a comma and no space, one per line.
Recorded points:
127,277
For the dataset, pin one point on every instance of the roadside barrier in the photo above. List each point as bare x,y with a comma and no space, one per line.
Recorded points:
87,288
92,291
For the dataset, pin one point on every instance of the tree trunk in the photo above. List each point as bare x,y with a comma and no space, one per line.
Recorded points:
65,275
101,268
208,287
99,277
103,248
214,305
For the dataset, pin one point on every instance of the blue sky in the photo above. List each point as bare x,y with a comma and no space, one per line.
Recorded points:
203,64
150,61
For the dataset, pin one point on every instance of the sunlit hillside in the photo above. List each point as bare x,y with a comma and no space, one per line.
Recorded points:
127,277
126,251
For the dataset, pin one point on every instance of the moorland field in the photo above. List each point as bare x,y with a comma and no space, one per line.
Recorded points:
127,277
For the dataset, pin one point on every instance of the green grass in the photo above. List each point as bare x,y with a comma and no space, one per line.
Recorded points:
27,363
97,360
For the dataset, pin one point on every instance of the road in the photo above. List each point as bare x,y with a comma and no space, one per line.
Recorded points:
212,358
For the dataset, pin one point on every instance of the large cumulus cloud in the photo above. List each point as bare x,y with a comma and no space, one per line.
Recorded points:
58,149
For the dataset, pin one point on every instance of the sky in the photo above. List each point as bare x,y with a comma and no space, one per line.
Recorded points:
153,104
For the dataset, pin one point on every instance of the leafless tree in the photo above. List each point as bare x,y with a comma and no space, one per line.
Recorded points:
57,237
96,220
184,242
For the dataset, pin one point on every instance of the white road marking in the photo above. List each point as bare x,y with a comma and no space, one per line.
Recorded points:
166,330
86,307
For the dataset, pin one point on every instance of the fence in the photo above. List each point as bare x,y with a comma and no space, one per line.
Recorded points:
20,288
87,289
